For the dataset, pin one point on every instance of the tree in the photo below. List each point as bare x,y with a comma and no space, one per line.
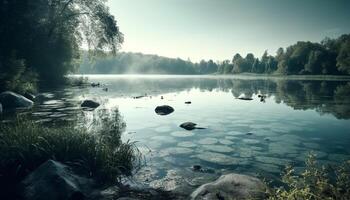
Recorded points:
237,62
279,54
47,34
227,67
256,66
343,58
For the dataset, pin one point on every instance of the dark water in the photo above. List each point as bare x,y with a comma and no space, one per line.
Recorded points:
297,116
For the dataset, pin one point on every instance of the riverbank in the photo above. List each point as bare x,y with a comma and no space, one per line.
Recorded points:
232,76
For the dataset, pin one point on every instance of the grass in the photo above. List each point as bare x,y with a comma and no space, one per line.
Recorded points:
316,182
97,152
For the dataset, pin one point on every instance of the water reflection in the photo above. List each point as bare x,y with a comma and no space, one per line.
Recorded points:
332,97
297,116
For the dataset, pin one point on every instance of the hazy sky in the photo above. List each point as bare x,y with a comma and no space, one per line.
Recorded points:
216,29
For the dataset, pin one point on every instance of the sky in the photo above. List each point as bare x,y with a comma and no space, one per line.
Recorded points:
217,29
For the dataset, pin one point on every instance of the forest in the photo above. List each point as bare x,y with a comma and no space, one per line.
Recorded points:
138,63
329,57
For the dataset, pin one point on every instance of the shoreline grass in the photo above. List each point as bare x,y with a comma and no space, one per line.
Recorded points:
25,145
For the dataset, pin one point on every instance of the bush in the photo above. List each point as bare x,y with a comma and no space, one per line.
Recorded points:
24,145
316,182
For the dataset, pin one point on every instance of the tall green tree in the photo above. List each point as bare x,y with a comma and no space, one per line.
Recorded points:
46,35
343,58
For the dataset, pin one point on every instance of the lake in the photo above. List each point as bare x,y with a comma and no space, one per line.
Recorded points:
257,137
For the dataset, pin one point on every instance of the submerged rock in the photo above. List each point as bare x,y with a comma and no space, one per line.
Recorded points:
231,186
55,181
187,144
164,110
208,141
218,148
198,168
190,126
217,158
90,104
11,100
182,134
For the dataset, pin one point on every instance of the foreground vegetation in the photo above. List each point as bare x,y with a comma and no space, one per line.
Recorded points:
317,182
96,151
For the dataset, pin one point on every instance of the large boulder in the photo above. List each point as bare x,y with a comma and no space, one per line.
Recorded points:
11,100
230,187
90,104
164,110
55,181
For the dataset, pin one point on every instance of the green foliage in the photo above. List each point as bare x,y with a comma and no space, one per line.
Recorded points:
17,78
98,152
330,57
45,36
343,58
316,182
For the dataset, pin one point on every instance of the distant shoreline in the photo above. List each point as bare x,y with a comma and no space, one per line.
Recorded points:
234,76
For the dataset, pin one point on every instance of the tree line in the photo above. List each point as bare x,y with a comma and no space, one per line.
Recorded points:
329,57
138,63
40,40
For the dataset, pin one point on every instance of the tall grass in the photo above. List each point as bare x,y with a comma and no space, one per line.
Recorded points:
98,152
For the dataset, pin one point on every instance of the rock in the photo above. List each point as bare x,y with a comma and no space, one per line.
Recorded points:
164,110
29,96
196,168
0,108
55,181
249,133
231,186
188,102
245,98
10,100
95,84
139,97
190,126
90,104
109,193
217,158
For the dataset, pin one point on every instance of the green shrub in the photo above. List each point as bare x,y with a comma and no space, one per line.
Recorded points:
25,144
318,182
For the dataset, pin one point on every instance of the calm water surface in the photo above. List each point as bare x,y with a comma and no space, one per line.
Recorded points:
298,116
